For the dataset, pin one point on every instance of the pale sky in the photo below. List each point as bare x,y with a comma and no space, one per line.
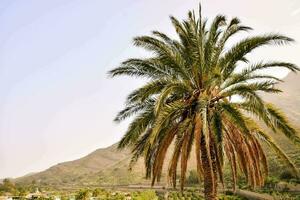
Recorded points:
56,101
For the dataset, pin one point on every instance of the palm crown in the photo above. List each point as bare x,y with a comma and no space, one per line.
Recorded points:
187,101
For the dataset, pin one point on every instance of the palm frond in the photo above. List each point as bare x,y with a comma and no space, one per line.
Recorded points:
281,123
241,49
187,101
137,127
266,138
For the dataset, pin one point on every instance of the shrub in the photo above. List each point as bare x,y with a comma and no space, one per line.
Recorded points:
83,195
286,175
271,182
97,192
184,196
295,181
146,195
229,197
193,177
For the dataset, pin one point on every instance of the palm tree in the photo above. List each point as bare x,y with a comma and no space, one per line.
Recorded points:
188,101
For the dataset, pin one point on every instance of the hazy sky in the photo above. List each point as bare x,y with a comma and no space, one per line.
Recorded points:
56,101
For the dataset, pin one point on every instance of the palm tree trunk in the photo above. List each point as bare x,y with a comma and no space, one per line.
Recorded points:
214,164
198,130
210,190
213,154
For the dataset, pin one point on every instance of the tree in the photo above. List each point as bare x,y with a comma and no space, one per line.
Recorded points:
7,186
83,195
96,192
188,101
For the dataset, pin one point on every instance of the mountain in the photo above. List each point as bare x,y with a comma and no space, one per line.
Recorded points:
289,99
289,102
109,166
93,169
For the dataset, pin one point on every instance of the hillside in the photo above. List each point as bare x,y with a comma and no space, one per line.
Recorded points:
83,171
289,99
109,166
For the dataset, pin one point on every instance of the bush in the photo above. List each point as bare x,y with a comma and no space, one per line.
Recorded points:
286,175
271,182
193,177
96,192
229,197
295,180
185,195
83,195
228,192
145,195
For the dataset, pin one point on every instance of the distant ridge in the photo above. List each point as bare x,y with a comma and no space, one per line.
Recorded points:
84,171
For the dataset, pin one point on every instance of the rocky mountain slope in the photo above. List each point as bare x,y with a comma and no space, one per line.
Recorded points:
84,171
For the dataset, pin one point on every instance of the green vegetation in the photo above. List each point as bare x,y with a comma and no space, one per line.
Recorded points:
184,195
193,178
187,102
147,195
10,187
115,195
83,195
7,186
191,193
